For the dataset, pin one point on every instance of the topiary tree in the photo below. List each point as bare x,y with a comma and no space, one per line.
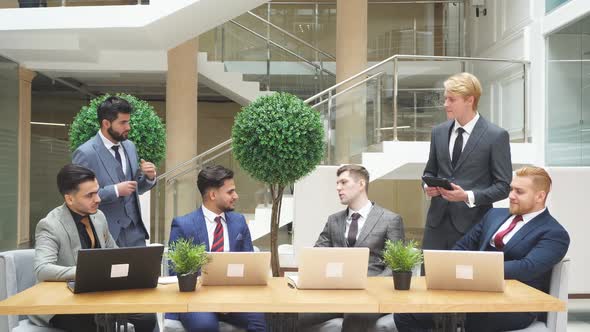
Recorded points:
278,139
147,130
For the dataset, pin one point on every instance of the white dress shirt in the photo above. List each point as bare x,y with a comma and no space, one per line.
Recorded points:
211,224
364,212
468,129
525,219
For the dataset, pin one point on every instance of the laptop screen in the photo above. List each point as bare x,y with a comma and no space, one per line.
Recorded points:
118,268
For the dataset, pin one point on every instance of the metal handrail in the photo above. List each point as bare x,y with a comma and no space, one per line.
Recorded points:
412,57
284,49
330,90
199,156
292,36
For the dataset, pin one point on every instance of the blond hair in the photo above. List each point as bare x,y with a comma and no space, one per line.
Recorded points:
465,85
541,179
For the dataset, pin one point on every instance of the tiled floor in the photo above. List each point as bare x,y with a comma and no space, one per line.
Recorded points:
578,319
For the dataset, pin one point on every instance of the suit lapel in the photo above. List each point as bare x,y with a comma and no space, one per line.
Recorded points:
200,229
497,223
108,161
99,231
536,222
445,138
372,219
480,128
231,233
131,158
69,225
341,229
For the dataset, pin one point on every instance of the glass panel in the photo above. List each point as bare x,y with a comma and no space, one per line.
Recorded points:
552,4
413,28
564,98
8,153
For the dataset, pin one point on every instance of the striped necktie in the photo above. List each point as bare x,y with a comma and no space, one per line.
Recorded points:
217,236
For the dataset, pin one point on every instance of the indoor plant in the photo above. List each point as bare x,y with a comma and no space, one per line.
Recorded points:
401,258
147,130
186,259
278,139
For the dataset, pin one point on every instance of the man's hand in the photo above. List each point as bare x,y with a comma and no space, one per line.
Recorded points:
455,195
431,191
147,168
126,188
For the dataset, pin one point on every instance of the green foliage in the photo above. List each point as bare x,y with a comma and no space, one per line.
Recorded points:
147,130
278,139
187,257
400,257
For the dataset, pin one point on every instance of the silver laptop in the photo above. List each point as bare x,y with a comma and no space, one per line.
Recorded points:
464,270
237,268
332,268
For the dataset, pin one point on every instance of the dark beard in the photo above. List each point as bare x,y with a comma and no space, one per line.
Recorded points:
116,136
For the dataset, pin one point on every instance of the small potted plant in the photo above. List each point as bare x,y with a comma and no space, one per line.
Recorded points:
186,259
401,258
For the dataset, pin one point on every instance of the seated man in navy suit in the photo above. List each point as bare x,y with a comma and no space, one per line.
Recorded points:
220,229
532,242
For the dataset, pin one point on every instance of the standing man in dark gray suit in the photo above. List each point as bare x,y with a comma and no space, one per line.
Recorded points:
362,224
474,155
122,179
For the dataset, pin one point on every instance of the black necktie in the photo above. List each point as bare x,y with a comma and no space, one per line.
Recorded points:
117,154
458,146
353,229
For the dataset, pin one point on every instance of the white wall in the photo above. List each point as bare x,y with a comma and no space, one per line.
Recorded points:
313,205
567,203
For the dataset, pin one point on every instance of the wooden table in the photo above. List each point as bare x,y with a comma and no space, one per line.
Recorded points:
517,297
278,297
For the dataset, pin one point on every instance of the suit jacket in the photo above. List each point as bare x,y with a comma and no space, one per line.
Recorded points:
381,225
485,167
193,226
57,243
118,210
530,254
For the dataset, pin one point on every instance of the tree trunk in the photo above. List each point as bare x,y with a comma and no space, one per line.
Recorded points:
277,199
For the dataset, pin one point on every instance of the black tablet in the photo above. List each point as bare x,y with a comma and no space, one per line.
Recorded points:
433,181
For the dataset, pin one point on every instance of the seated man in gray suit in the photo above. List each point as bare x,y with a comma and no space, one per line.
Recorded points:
362,224
75,225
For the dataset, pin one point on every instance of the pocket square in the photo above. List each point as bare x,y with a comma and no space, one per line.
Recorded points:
239,237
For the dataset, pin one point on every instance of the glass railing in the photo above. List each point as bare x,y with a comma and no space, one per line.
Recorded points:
270,55
402,98
398,99
74,3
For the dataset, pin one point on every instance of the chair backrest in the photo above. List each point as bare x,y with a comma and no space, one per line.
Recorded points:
557,321
16,275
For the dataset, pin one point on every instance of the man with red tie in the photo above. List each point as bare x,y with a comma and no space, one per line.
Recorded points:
220,229
532,242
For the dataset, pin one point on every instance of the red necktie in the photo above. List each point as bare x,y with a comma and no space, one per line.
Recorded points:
499,238
217,236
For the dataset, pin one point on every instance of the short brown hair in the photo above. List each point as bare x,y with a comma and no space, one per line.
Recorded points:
465,85
357,172
541,179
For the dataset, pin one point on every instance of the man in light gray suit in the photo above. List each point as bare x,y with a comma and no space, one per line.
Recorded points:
75,225
362,224
114,161
474,155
